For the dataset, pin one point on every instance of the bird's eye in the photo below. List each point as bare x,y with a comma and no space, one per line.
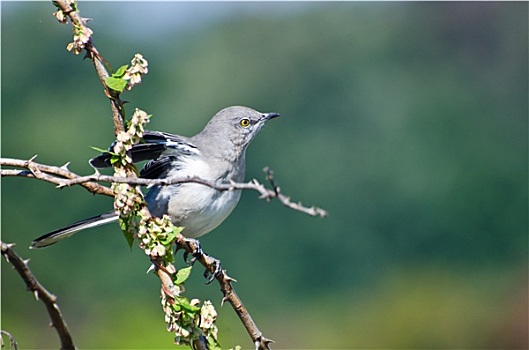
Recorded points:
245,122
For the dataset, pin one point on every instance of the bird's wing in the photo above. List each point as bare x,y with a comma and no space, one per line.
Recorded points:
161,148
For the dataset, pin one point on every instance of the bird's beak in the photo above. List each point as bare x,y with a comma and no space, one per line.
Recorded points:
268,116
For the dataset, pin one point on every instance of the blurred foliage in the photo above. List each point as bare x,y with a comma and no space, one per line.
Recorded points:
407,121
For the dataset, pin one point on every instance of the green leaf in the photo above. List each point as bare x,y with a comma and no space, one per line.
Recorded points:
185,305
213,344
168,239
121,71
128,235
100,149
115,158
182,275
116,84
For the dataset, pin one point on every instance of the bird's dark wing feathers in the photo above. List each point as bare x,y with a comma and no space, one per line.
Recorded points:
162,149
159,168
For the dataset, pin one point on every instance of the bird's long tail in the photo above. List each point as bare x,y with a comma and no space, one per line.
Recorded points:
55,236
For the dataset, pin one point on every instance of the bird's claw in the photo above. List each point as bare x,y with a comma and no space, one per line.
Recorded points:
210,276
197,254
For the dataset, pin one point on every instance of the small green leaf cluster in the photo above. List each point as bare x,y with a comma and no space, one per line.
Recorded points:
185,318
116,81
188,321
126,77
157,237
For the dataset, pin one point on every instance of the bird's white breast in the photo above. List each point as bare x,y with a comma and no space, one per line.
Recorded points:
198,208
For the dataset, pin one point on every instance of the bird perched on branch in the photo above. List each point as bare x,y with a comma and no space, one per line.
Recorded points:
217,153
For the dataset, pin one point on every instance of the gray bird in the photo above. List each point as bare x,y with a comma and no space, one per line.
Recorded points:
217,153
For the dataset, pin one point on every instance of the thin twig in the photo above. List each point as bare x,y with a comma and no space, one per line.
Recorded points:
99,64
210,263
50,300
12,341
53,174
67,178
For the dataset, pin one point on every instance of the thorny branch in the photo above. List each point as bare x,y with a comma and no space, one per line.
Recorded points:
12,341
50,300
63,177
53,174
84,41
260,341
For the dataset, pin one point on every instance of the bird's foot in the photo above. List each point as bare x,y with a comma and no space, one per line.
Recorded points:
216,269
214,264
197,251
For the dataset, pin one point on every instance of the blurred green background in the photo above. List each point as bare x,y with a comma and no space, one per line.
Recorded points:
406,121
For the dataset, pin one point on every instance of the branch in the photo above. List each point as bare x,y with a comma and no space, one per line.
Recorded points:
211,264
53,174
12,341
66,179
39,291
83,40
